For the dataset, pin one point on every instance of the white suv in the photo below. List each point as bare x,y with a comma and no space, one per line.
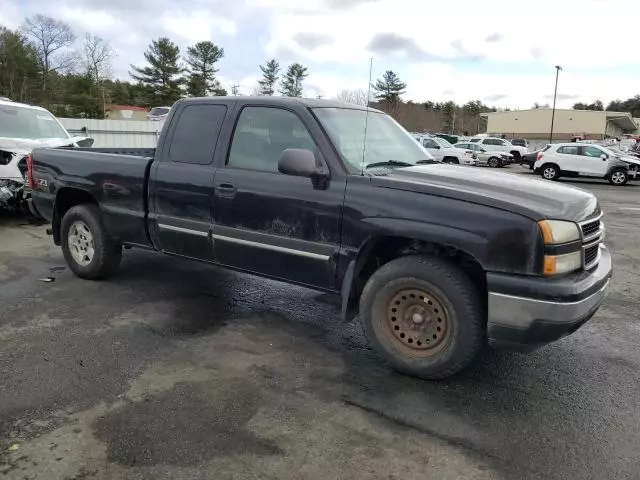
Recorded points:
587,160
501,145
444,152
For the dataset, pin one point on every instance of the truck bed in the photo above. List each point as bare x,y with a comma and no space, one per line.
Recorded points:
117,182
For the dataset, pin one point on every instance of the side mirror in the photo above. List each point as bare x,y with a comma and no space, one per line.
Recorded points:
604,156
297,162
302,163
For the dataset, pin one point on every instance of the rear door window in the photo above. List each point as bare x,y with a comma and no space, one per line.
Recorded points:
569,150
196,134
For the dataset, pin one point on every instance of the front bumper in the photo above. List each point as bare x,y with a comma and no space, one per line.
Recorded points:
527,313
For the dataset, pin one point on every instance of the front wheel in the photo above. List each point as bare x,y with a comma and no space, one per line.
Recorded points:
423,316
618,178
88,249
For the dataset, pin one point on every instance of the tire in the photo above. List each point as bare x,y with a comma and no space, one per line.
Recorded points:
516,156
550,171
452,160
82,225
493,162
618,178
449,329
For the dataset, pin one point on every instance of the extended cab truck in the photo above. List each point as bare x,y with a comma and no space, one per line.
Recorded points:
436,262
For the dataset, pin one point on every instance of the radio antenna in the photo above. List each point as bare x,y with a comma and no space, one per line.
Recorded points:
366,119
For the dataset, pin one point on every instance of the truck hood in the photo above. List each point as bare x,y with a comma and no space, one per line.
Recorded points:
533,198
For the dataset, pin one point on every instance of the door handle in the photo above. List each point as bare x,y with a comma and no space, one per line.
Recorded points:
226,190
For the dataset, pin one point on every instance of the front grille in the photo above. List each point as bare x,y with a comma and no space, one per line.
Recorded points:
588,229
592,236
591,255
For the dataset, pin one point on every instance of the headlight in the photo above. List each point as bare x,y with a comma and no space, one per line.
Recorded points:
558,231
558,264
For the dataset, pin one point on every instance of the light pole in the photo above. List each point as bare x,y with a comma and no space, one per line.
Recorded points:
555,94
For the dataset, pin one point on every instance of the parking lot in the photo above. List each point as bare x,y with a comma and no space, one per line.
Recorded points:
176,370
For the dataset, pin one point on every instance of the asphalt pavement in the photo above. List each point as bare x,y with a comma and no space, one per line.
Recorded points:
176,370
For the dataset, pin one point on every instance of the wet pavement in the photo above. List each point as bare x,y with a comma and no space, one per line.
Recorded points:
183,371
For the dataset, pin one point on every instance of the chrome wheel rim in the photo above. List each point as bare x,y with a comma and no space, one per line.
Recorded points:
80,241
617,177
549,173
493,162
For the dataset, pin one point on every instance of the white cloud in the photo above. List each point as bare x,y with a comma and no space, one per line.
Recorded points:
436,51
196,25
575,33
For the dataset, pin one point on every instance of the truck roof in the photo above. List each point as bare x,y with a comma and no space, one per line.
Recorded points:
284,101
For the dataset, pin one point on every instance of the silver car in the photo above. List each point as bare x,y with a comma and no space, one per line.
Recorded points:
492,158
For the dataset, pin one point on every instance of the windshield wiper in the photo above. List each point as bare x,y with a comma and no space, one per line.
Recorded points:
390,163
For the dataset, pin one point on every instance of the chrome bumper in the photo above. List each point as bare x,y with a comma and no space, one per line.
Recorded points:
524,323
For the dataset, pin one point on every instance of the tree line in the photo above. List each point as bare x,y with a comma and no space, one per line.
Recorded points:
40,64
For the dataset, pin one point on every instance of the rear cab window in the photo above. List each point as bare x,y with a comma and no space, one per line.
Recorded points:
196,133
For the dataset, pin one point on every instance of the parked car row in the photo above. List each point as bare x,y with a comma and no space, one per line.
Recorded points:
480,151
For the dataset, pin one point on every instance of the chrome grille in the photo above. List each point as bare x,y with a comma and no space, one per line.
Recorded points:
588,229
592,236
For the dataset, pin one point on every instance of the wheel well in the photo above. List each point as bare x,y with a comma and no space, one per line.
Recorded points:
381,250
550,164
449,157
516,154
65,199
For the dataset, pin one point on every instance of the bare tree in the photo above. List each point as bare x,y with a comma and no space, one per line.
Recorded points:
97,57
96,60
357,97
50,37
257,91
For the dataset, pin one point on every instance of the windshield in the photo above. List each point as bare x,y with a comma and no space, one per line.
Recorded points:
386,140
21,122
442,142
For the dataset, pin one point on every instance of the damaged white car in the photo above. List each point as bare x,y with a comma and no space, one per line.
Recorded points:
23,128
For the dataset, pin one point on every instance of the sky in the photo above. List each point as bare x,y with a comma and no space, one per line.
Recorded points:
500,52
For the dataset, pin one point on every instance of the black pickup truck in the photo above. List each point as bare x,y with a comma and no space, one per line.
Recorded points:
437,260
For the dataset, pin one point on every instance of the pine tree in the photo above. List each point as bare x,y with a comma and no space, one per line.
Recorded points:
269,77
291,84
201,60
389,88
164,72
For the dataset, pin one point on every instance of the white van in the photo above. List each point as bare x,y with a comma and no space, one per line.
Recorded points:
585,160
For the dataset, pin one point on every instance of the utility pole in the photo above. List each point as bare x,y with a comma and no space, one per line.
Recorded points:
553,111
234,89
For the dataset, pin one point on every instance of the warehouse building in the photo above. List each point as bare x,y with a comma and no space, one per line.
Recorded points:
536,124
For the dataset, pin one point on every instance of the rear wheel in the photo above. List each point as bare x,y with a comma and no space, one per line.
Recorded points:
453,160
618,178
423,316
86,245
550,172
494,162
